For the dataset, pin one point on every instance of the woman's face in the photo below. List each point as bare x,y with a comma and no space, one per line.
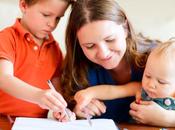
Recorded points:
103,42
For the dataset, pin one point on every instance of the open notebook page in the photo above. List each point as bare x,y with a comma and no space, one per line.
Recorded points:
49,124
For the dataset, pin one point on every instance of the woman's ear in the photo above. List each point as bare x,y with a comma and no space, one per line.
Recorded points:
23,6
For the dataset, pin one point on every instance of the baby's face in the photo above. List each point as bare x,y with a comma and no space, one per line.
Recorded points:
159,77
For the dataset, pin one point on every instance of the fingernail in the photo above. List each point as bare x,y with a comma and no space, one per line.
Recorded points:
138,101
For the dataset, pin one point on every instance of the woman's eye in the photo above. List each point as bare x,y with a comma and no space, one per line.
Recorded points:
148,76
110,40
45,15
89,47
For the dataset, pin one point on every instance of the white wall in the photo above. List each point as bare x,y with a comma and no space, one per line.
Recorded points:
154,18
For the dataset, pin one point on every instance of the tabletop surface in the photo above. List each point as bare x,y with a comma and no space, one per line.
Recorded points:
5,125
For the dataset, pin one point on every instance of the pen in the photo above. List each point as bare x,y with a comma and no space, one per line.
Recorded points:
88,117
10,119
53,88
50,85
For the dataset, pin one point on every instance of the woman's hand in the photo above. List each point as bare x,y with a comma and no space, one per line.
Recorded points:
149,112
94,108
83,98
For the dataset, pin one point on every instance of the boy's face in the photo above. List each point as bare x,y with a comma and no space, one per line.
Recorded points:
41,18
159,77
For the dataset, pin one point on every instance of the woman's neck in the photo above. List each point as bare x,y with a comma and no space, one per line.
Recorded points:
122,73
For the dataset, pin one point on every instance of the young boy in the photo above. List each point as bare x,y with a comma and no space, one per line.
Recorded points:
29,56
158,82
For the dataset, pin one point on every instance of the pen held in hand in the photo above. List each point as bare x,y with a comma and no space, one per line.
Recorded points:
53,88
88,117
51,85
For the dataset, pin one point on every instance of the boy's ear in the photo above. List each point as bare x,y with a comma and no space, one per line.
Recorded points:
23,6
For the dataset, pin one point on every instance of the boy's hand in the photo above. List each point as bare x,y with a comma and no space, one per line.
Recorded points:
52,100
64,117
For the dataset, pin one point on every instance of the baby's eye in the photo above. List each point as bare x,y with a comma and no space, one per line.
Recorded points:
162,82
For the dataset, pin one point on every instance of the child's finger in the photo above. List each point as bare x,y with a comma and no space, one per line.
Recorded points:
145,102
60,98
57,115
71,115
138,97
54,103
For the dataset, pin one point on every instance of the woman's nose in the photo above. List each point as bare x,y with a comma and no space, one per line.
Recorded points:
103,51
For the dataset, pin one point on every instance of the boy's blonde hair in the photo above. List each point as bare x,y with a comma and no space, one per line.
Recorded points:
32,2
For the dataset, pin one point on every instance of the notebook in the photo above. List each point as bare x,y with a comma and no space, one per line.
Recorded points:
22,123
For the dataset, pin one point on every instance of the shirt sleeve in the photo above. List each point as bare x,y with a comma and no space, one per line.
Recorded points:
7,45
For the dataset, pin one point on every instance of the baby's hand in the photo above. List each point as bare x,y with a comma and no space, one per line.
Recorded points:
64,116
138,97
83,98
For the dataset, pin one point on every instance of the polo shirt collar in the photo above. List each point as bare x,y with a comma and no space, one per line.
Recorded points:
23,32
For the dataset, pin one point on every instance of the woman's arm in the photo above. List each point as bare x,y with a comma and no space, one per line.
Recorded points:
149,112
106,92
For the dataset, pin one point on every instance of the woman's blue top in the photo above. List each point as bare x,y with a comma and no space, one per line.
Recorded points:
117,109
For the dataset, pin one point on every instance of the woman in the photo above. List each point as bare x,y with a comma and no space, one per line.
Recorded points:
101,49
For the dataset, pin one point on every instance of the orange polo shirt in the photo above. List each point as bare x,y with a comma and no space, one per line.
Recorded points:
32,63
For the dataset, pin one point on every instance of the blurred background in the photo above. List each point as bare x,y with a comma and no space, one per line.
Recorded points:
153,18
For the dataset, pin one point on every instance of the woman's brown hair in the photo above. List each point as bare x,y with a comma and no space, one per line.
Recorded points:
75,67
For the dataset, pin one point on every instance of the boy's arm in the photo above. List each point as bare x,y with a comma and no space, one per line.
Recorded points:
106,92
10,84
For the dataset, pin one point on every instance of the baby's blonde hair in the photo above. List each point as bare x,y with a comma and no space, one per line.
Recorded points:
165,48
166,51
